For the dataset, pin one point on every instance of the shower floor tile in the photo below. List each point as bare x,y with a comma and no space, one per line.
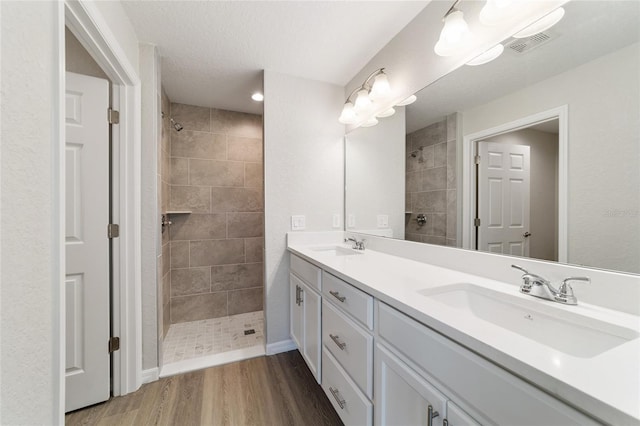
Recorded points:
195,339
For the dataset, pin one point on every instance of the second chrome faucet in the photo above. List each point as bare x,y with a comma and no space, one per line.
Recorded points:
537,286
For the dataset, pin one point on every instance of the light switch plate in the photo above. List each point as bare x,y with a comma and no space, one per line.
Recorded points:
336,220
352,221
298,222
383,221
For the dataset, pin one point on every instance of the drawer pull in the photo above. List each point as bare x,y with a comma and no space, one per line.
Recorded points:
337,296
445,422
341,402
431,415
340,344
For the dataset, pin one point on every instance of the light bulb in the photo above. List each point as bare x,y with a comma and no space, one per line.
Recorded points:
363,101
381,88
370,122
541,24
258,97
387,113
348,115
495,11
454,33
411,99
487,56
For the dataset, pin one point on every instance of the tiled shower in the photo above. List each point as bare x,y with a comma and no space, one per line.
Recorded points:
213,289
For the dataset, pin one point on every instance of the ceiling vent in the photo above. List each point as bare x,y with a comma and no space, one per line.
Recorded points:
522,45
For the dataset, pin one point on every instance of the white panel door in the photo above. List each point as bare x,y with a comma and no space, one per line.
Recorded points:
87,245
503,198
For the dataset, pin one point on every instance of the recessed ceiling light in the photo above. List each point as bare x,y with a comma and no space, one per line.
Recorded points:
258,97
411,99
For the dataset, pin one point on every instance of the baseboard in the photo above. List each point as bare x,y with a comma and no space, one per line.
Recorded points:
150,375
281,346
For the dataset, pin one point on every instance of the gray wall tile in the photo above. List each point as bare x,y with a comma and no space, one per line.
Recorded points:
190,281
216,173
179,171
234,277
198,145
253,175
198,307
199,227
434,179
179,254
196,199
244,149
254,250
236,200
243,225
216,252
440,155
191,117
249,300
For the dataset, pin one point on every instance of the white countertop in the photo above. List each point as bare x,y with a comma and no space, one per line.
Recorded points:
606,385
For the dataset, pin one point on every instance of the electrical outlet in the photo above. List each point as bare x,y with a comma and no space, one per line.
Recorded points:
336,220
383,221
298,222
352,221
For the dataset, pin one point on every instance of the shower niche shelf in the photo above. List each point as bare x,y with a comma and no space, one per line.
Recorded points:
178,212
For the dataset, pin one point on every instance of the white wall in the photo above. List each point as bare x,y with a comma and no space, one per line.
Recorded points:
303,153
117,20
370,150
543,243
30,376
604,148
149,76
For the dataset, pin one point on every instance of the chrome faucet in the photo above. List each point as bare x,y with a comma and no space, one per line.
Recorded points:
357,245
537,286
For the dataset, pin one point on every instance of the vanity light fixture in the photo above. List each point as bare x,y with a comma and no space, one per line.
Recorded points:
411,99
487,56
258,97
387,113
496,11
375,88
454,33
541,24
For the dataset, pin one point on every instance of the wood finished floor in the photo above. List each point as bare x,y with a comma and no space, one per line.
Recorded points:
275,390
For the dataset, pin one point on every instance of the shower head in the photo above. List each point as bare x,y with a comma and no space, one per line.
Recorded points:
176,125
414,154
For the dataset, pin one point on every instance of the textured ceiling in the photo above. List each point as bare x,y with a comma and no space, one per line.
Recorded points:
213,52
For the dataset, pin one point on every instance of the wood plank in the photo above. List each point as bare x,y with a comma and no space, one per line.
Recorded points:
274,390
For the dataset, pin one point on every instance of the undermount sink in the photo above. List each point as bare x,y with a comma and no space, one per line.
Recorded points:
565,331
336,251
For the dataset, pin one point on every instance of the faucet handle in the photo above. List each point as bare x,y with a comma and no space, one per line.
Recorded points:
565,287
521,269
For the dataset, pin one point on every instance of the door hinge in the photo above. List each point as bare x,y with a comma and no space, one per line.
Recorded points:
476,159
113,230
476,221
114,344
113,116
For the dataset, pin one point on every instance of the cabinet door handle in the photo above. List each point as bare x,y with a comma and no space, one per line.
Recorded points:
445,422
337,296
300,300
340,344
336,395
297,295
431,415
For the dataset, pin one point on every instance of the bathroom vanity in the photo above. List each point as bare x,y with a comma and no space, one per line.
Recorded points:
399,341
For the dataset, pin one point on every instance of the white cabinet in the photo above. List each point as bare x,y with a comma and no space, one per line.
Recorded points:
305,305
402,396
457,417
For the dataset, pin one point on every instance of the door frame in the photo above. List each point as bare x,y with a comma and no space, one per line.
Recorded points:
86,22
560,113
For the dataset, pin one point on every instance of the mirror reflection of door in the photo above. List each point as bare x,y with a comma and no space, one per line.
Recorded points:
517,192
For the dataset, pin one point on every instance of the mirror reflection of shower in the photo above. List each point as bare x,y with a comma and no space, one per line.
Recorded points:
414,154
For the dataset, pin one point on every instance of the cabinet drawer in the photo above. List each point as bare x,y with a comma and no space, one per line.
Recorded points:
350,344
310,273
353,301
351,405
485,388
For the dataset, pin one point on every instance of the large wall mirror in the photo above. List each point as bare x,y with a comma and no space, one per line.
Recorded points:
534,154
